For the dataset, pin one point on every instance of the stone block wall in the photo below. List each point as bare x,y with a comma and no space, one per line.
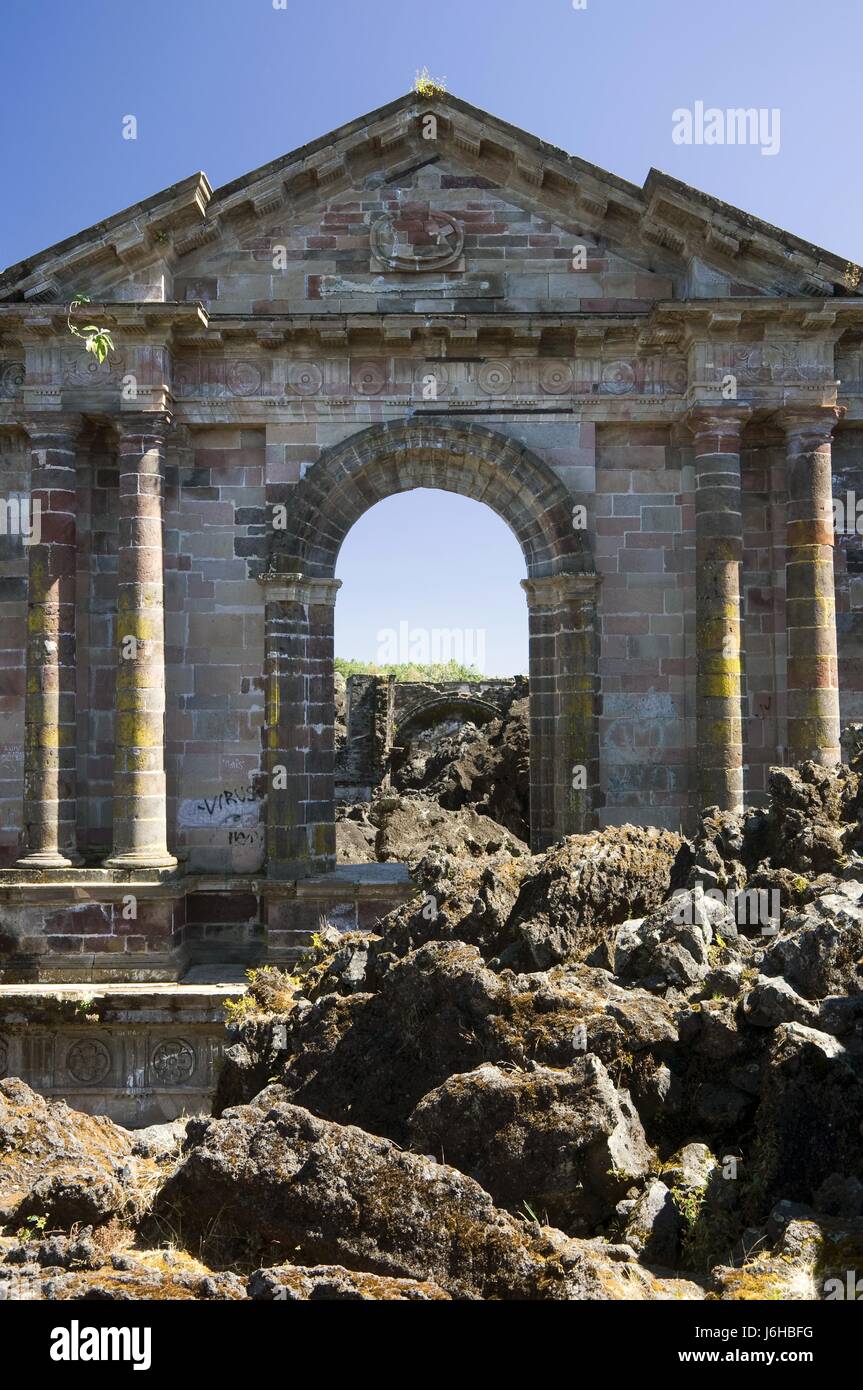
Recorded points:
645,554
215,539
63,934
847,480
98,535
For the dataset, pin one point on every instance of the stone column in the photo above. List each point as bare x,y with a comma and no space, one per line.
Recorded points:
140,832
810,606
300,725
564,703
50,739
718,559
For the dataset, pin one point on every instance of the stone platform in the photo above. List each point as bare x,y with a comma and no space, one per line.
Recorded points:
100,925
113,986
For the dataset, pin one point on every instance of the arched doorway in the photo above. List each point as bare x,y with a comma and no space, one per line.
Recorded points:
301,590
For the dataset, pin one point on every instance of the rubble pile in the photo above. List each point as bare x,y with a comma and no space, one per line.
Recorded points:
465,791
628,1068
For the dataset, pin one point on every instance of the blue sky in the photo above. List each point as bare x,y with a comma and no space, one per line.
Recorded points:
225,85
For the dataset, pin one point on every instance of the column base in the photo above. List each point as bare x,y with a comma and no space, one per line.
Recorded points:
49,859
141,859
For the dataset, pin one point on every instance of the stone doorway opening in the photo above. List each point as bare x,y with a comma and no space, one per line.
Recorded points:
431,715
300,597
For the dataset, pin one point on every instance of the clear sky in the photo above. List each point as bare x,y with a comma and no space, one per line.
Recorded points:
225,85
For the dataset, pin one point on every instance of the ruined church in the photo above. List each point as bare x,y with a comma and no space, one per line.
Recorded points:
660,394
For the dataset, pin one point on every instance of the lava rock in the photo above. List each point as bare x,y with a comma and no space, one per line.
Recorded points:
536,1137
587,885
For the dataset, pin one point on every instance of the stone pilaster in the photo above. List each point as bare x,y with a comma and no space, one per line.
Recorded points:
564,684
50,703
718,556
140,832
300,726
810,606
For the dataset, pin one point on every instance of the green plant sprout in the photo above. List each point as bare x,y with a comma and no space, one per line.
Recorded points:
96,340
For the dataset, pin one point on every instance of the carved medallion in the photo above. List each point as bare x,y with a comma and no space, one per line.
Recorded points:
618,378
243,378
369,378
494,378
417,239
79,368
88,1061
556,377
676,377
11,379
174,1061
306,378
431,380
768,362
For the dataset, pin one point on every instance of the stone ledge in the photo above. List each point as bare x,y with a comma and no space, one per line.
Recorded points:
141,1053
167,997
65,885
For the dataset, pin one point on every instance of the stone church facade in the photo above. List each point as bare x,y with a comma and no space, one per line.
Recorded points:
660,395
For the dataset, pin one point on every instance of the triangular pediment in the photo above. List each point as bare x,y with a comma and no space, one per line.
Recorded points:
429,203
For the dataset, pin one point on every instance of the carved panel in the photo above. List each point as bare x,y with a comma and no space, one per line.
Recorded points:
88,1061
11,380
417,239
174,1062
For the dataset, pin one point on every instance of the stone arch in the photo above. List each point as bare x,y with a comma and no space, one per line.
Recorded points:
464,706
301,589
427,713
464,458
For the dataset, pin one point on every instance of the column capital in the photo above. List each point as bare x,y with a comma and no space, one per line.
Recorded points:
813,423
550,590
724,423
56,424
299,588
147,424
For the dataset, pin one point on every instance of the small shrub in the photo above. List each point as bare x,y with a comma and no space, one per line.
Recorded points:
271,991
427,86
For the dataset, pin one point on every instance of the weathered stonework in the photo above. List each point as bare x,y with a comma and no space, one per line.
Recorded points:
656,392
383,715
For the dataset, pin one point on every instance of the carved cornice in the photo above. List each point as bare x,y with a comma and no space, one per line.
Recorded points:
299,588
553,590
46,322
132,237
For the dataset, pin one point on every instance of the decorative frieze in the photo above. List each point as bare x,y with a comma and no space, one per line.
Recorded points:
267,376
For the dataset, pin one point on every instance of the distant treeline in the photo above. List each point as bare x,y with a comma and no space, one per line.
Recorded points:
409,671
